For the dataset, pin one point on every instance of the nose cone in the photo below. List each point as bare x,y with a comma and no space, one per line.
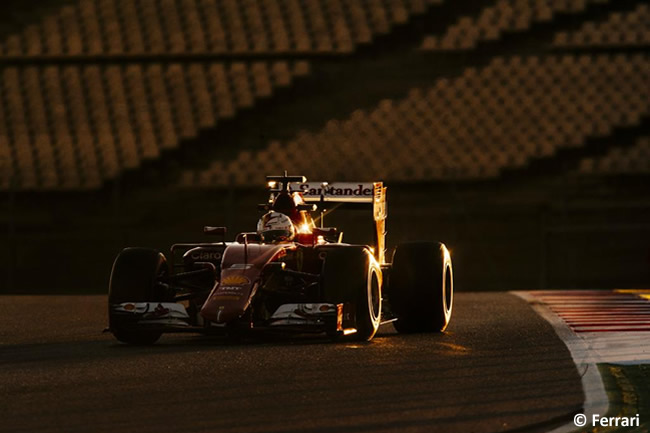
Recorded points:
241,268
227,301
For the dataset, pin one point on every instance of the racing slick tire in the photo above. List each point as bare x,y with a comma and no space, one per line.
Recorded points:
134,278
421,287
351,274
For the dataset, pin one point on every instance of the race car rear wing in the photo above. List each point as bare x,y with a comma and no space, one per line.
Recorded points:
348,194
357,194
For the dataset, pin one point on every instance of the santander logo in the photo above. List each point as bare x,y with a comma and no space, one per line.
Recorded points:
343,191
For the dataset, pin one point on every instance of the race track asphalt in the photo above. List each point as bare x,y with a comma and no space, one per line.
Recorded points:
499,368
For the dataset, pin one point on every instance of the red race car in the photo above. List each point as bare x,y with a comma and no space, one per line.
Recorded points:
290,275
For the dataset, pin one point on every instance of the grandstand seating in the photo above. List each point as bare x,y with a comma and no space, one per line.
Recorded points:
472,127
137,27
503,16
620,29
628,161
75,124
72,127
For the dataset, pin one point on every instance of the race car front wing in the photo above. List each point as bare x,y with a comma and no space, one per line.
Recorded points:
298,317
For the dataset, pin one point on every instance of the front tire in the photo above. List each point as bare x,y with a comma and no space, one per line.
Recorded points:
421,289
134,278
352,275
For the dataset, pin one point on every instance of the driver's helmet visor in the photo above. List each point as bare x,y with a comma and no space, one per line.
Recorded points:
276,235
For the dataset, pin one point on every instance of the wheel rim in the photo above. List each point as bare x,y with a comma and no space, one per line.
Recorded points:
449,289
374,295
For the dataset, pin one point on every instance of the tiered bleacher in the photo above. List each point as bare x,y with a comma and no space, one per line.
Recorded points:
72,127
472,127
620,160
619,29
76,125
105,89
503,16
138,27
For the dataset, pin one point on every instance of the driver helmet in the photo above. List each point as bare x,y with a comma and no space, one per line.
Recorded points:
275,227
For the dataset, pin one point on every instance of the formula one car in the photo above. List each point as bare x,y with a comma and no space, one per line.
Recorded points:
289,276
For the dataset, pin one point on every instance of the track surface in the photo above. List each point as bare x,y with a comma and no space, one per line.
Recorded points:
499,367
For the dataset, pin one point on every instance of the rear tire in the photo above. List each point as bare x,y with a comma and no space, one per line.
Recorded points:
134,278
421,289
352,275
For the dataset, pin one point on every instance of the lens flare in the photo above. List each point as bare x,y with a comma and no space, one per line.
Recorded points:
304,228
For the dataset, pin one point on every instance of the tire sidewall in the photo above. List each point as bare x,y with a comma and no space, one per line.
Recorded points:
352,275
368,311
421,287
134,276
